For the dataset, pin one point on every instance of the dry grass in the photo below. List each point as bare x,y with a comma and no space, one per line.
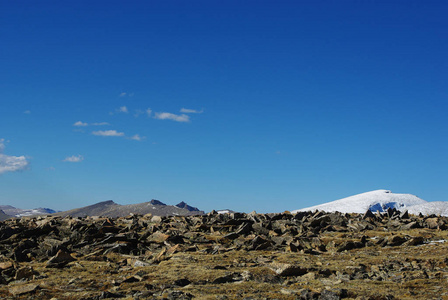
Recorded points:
414,272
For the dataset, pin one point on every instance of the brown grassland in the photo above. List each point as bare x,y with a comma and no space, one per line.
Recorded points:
377,263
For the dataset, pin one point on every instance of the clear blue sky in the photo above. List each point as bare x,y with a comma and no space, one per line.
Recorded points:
247,105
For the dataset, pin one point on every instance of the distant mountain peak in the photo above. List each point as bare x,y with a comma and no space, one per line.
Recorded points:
156,202
186,206
107,202
378,200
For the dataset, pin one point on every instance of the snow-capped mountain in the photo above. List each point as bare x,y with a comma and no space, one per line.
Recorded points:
17,212
381,200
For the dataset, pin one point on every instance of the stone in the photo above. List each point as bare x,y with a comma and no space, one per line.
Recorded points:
60,259
6,265
176,295
283,269
156,219
181,282
432,223
173,250
329,295
158,237
404,215
395,240
368,214
137,263
17,290
24,273
224,279
418,240
133,278
108,295
307,294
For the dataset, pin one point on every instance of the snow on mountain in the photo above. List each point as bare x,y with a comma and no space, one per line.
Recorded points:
17,212
35,212
430,208
379,200
225,211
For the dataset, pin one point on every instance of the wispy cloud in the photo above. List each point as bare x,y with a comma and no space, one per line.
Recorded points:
27,112
191,111
170,116
80,124
84,124
123,109
74,158
139,112
137,137
120,110
9,163
107,133
124,94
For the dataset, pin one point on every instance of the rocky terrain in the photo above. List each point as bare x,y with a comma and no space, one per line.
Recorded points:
390,255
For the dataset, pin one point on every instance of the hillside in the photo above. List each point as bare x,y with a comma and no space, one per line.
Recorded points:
3,216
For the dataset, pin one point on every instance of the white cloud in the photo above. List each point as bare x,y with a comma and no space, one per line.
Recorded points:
191,111
123,109
79,123
9,163
74,158
123,94
84,124
149,112
108,133
136,137
170,116
27,112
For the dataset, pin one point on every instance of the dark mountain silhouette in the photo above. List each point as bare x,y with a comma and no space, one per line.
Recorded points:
186,206
156,202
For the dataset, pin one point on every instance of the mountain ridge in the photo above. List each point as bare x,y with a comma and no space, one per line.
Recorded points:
112,209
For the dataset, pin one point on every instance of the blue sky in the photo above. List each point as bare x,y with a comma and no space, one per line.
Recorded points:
247,105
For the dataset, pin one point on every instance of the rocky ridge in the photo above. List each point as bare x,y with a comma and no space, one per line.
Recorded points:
283,256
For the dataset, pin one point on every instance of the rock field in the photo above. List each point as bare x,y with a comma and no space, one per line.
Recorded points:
308,255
